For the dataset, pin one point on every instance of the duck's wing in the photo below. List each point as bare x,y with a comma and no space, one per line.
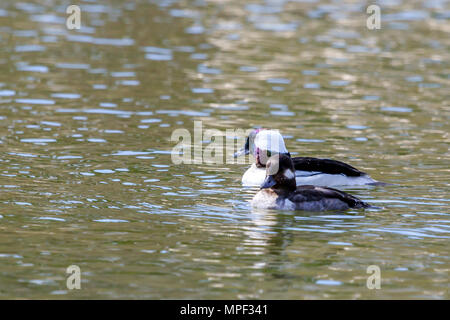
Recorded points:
314,193
325,166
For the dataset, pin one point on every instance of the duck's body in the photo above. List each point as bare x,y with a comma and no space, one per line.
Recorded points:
306,198
314,171
308,171
279,191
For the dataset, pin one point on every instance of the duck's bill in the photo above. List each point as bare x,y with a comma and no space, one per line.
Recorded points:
241,152
269,182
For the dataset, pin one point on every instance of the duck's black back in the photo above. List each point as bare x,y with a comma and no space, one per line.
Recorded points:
326,166
313,193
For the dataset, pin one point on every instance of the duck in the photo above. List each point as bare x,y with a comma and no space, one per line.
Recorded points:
262,143
280,191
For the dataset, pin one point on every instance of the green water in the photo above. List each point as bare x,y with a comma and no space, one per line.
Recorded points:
86,118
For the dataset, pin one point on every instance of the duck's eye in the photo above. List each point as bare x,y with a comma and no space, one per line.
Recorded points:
269,153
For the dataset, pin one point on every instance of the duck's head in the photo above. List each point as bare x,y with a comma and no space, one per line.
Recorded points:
262,144
280,173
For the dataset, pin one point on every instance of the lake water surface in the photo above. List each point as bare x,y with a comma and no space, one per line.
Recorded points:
86,177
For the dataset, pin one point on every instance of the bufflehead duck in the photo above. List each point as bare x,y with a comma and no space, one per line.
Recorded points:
262,143
279,191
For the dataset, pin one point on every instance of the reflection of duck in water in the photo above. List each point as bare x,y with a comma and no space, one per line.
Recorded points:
279,191
263,143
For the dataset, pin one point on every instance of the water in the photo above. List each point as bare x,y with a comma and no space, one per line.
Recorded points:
86,174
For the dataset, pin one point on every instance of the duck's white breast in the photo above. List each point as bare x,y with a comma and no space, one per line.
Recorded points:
254,176
265,199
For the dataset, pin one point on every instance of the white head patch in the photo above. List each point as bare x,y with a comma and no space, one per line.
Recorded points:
270,140
289,174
